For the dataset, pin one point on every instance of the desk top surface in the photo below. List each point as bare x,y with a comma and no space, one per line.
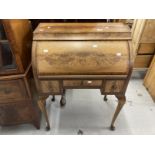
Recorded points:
81,27
82,31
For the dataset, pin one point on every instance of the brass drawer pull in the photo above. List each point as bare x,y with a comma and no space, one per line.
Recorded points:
89,82
92,83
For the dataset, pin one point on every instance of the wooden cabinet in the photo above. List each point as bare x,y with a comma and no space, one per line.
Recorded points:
7,59
82,56
16,105
16,46
143,35
12,90
149,80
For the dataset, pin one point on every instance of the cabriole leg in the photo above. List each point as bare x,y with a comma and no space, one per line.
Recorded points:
41,104
121,102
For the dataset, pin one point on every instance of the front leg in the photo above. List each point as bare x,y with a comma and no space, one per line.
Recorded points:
105,98
121,102
41,104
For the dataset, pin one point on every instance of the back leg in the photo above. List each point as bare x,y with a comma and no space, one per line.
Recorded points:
63,99
53,98
105,98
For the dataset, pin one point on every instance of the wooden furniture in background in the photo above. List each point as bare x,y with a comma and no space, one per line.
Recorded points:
16,99
149,80
143,41
129,22
82,55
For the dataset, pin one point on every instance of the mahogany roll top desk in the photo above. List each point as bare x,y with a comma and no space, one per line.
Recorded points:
82,56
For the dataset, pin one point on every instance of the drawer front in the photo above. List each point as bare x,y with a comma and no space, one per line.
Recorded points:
72,83
82,83
82,57
93,83
142,61
146,48
114,86
12,90
50,86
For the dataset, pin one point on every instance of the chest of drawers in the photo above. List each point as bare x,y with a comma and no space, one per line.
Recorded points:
81,55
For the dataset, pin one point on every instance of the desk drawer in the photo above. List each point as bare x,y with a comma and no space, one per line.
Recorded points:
82,83
50,86
142,61
72,83
12,90
146,48
114,86
93,83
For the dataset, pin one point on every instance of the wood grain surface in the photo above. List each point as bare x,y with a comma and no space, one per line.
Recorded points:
79,57
83,31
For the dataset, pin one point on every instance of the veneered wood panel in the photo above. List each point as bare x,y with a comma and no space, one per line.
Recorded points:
114,86
82,31
82,83
82,57
50,86
72,83
81,27
94,83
